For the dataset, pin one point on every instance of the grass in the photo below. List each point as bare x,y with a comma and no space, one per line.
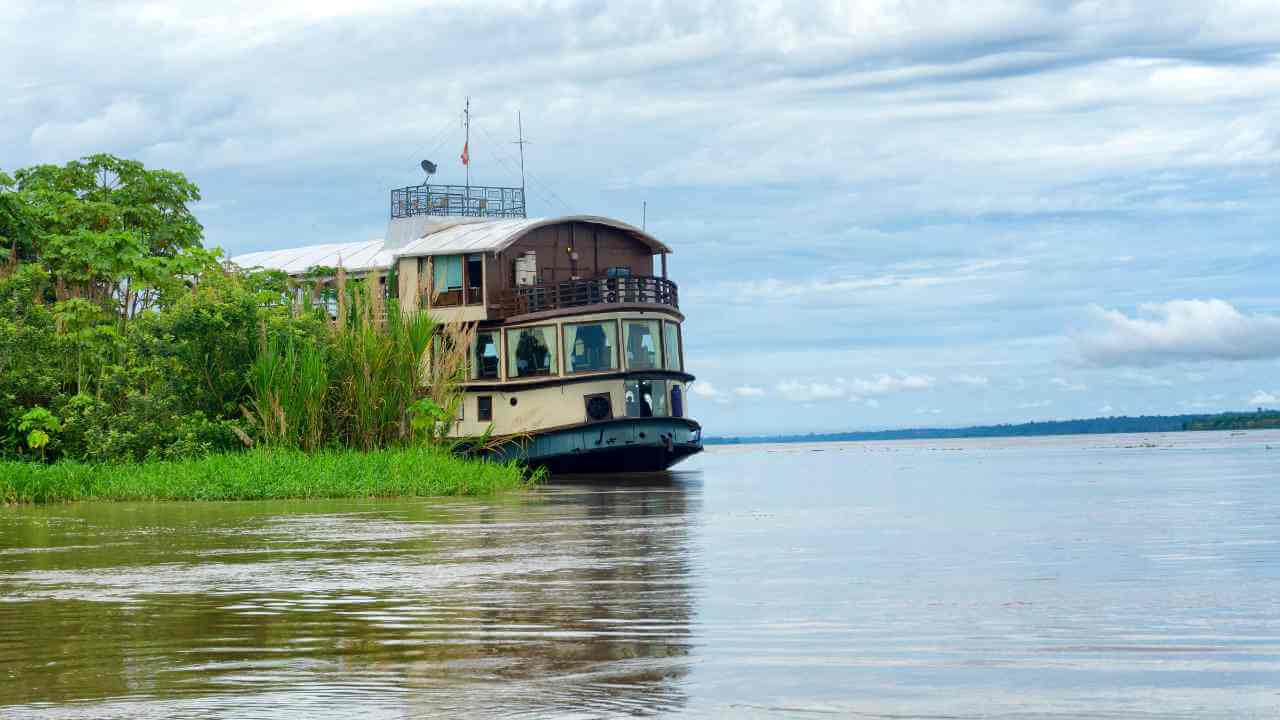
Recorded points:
264,474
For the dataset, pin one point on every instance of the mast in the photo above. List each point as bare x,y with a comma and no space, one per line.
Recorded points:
521,141
466,123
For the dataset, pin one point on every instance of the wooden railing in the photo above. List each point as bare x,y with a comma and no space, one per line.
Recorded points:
595,291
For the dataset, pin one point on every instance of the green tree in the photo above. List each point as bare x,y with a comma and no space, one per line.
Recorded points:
109,230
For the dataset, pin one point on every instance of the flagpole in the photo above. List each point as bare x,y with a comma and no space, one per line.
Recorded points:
466,122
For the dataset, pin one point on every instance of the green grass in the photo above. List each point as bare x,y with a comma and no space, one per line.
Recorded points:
264,475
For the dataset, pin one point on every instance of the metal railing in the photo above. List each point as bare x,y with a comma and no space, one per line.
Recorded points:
595,291
472,201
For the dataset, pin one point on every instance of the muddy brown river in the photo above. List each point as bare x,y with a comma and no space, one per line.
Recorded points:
1088,577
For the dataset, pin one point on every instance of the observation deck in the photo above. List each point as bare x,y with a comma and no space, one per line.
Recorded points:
458,200
597,293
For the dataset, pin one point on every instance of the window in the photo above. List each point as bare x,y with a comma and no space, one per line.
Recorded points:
642,344
448,270
646,398
671,345
485,357
475,279
531,351
620,271
484,408
446,286
590,346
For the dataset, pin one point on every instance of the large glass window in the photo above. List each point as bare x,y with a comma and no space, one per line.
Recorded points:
671,345
643,345
646,398
590,346
531,351
485,356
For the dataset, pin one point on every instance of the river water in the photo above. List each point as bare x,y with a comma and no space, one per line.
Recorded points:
1087,577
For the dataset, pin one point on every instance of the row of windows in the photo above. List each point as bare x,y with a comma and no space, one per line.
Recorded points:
587,347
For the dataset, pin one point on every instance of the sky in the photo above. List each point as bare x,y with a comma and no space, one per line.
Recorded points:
884,213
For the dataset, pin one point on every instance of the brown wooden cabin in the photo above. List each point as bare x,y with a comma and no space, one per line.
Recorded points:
512,270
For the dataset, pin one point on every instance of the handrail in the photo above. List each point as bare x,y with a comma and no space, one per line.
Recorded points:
634,289
468,200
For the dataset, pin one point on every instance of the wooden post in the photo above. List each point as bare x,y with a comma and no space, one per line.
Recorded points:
664,266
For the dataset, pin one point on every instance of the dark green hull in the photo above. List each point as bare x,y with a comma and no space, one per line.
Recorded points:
612,446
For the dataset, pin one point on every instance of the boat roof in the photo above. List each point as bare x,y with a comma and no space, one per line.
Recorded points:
354,257
424,235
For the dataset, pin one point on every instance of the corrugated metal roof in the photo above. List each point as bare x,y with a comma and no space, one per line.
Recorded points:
452,238
355,257
419,236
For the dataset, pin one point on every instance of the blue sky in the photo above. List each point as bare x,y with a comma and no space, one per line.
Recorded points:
885,214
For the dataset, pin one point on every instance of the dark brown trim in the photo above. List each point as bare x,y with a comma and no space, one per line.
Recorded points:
592,310
692,424
513,386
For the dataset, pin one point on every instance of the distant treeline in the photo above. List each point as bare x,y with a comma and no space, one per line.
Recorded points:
1091,426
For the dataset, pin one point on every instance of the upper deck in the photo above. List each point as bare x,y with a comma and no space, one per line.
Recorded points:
589,295
458,200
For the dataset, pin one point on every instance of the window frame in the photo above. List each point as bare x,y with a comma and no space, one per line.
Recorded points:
617,348
659,358
679,346
473,356
554,369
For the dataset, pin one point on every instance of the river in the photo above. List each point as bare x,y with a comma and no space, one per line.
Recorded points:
1081,577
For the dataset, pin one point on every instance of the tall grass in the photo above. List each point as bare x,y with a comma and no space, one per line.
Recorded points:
263,474
381,377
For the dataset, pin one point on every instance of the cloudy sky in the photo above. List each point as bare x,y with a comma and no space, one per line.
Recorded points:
884,213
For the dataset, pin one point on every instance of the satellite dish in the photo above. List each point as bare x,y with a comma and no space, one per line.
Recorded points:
428,167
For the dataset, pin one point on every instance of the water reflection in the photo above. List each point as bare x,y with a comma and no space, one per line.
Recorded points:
577,599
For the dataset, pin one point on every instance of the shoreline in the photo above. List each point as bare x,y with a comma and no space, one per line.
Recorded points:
263,474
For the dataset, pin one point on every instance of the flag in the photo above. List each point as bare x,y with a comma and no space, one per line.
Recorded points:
466,156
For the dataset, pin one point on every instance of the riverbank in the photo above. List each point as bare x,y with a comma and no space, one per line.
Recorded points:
264,475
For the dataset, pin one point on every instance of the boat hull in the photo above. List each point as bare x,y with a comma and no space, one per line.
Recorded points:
626,445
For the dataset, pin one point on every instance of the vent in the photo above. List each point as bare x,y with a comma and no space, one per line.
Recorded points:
599,407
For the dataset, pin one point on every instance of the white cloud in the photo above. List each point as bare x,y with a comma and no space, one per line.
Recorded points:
808,392
1068,385
747,391
856,390
1034,404
704,389
1179,331
972,380
1264,398
1106,409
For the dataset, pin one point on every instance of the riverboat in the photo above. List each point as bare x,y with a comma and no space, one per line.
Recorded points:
577,362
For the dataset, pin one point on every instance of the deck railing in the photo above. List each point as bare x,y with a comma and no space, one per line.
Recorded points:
635,289
468,200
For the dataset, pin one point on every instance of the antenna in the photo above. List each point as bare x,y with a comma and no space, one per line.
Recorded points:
466,147
429,168
521,142
644,214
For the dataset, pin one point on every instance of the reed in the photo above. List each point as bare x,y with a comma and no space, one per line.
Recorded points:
379,377
264,474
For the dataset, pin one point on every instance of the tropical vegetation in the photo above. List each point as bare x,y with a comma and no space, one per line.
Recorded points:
129,350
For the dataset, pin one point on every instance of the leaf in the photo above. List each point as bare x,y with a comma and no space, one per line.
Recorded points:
37,439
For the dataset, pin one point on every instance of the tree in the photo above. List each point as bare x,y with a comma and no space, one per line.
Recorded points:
108,230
